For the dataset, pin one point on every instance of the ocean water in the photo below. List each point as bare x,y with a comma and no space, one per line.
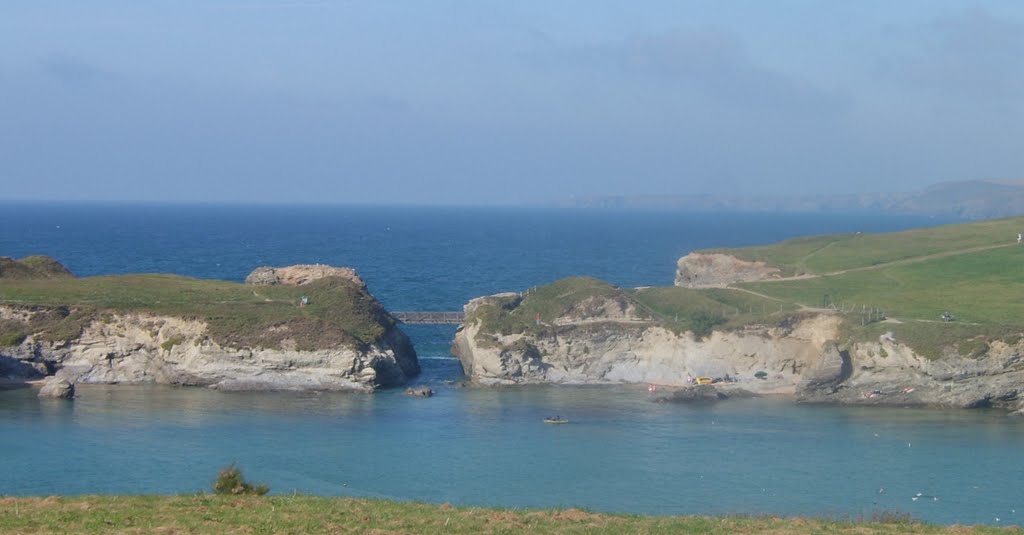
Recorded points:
481,446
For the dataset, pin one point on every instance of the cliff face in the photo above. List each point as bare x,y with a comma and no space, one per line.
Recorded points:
596,348
800,358
707,270
139,348
890,373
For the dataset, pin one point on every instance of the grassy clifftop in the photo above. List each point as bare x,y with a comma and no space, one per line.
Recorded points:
340,312
583,299
973,271
819,255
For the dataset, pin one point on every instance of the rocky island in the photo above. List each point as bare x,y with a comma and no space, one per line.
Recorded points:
310,327
928,317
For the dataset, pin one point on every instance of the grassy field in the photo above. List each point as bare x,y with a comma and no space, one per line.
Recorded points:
982,287
339,311
831,253
305,514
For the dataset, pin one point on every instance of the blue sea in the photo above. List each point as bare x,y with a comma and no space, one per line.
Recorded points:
482,446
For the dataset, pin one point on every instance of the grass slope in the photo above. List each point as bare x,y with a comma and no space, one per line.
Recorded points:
340,312
972,271
306,514
837,252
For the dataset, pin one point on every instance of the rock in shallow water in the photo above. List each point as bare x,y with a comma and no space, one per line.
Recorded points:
419,392
57,389
703,394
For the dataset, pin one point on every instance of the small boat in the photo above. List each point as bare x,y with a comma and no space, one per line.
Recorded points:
555,420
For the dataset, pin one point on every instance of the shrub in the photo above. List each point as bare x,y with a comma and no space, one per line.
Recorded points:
702,323
892,517
169,344
231,481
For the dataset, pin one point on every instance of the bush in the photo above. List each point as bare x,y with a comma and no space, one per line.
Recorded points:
892,517
702,323
231,481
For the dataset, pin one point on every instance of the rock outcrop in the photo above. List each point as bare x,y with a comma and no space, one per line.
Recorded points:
702,394
32,267
311,350
833,368
797,357
622,348
140,348
891,373
57,388
299,275
708,270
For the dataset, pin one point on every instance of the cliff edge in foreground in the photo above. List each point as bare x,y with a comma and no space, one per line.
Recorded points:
322,332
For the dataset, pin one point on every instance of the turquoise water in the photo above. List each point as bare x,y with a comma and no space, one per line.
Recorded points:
621,452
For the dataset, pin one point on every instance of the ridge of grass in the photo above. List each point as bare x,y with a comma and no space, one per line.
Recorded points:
309,514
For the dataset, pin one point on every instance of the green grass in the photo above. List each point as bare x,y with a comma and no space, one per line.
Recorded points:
678,309
983,287
340,312
307,514
512,315
831,253
701,311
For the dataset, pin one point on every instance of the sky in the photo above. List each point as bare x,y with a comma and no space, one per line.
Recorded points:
503,102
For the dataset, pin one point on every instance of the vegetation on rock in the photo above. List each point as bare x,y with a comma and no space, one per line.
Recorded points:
339,311
32,267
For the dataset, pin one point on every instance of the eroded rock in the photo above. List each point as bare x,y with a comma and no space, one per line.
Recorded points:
299,275
708,270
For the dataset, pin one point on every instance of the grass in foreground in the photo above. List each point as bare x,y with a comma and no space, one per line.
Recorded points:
307,514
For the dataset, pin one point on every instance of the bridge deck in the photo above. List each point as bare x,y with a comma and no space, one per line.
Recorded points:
435,318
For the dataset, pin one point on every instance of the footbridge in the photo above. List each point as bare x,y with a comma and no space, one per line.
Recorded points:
430,318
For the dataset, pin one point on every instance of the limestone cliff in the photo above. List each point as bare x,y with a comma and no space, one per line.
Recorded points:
597,347
888,372
799,356
141,348
707,270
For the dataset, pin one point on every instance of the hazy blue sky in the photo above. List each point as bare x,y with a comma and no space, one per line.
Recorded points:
436,101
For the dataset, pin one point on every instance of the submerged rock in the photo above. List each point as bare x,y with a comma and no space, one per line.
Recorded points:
704,394
419,392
